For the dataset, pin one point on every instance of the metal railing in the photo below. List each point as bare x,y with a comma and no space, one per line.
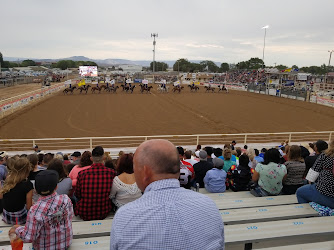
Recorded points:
88,143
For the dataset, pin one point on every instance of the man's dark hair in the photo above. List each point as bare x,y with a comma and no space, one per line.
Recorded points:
256,151
199,147
272,155
180,150
263,150
187,154
246,147
40,158
218,152
243,160
209,150
321,145
97,151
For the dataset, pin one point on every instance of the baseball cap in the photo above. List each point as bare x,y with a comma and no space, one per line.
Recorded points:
3,154
35,146
76,154
217,162
202,155
46,182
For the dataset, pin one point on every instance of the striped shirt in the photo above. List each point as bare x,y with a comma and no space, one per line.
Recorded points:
168,217
49,223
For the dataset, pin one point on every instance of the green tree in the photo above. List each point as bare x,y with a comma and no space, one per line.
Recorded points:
210,65
294,67
225,67
159,66
281,67
182,65
27,63
253,63
1,59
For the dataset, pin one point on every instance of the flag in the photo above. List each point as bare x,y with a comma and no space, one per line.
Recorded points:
82,82
288,70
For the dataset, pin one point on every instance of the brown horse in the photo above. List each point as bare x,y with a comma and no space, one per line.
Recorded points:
112,89
177,88
209,88
65,91
96,88
222,88
193,88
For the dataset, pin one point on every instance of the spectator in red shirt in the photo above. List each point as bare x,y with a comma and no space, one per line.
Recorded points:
93,189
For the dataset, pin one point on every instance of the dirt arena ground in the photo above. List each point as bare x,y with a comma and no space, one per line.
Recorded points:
125,114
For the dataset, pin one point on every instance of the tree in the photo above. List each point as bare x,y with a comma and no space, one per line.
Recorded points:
210,65
159,66
281,67
27,63
182,65
1,59
253,63
295,67
225,67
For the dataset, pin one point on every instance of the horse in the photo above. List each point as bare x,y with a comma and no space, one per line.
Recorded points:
143,87
65,91
208,88
84,88
222,88
131,88
161,89
103,87
177,88
113,89
126,88
96,88
193,88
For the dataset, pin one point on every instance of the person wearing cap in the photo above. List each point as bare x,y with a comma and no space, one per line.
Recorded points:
214,180
35,148
75,157
233,144
162,217
49,220
93,189
201,168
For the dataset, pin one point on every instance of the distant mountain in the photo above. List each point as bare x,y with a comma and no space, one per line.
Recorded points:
100,62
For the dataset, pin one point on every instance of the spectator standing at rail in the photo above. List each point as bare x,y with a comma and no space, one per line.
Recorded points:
93,189
165,206
233,144
321,192
295,167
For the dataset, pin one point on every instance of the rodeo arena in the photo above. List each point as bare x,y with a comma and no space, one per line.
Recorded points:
255,149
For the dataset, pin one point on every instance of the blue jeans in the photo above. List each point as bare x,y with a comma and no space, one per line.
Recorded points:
309,193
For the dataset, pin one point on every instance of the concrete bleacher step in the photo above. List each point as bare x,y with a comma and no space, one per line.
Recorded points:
229,203
242,194
326,245
279,230
270,213
81,229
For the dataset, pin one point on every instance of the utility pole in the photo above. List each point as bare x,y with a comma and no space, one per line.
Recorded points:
154,35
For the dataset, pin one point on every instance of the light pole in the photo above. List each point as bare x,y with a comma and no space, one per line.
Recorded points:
154,35
264,41
329,63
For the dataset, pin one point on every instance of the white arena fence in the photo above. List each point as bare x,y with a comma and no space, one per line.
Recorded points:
10,105
18,146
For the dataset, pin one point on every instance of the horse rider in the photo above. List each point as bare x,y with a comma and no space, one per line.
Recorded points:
177,84
163,84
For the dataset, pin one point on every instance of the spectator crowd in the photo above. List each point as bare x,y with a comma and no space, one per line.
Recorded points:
42,192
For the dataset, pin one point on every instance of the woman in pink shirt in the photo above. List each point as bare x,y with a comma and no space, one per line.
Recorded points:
85,163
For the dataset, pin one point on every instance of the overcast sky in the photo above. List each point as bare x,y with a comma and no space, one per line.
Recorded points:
301,31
